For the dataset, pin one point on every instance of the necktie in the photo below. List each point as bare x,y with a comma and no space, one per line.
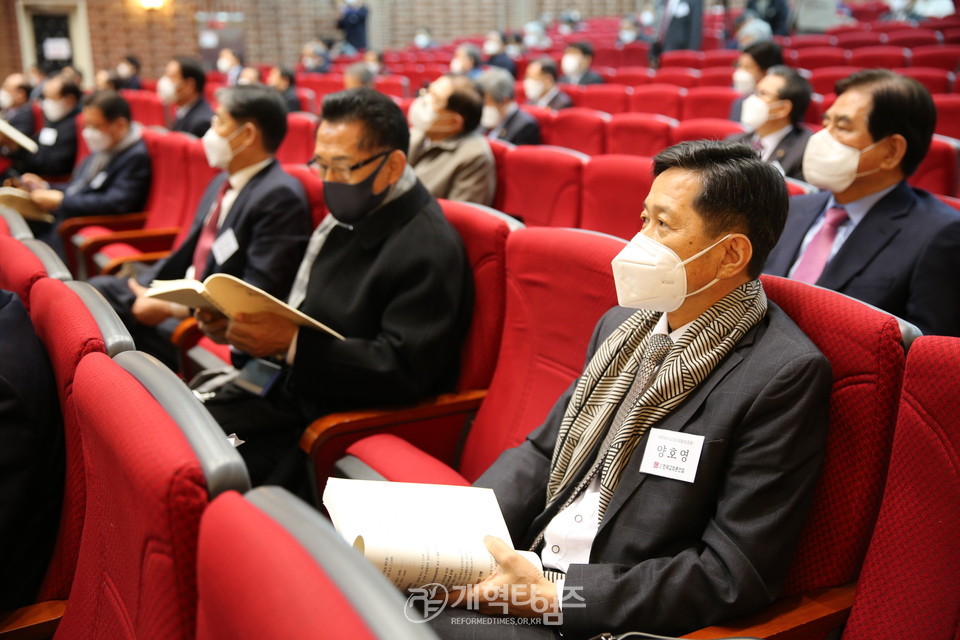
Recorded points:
208,234
658,346
815,258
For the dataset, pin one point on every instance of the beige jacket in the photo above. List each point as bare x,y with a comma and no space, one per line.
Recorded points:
458,168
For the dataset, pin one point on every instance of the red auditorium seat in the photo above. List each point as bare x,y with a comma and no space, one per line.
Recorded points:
811,40
885,57
938,173
705,129
320,83
824,79
12,224
25,261
720,58
716,77
611,98
393,85
299,578
614,189
544,118
913,37
144,498
547,269
665,99
145,107
639,134
500,149
935,80
485,234
297,146
816,57
543,185
948,114
856,39
308,99
580,129
635,54
945,56
634,76
680,76
708,102
681,58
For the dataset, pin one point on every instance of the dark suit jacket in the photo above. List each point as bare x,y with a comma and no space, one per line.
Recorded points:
133,82
903,257
292,100
271,221
503,61
31,456
520,128
789,153
673,556
22,120
590,77
559,101
685,32
196,120
399,286
57,159
123,190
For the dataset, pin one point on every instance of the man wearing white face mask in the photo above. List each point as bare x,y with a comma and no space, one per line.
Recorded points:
447,152
668,486
575,64
182,85
230,64
774,114
540,85
495,50
466,60
252,221
502,118
57,140
128,69
869,234
113,179
752,65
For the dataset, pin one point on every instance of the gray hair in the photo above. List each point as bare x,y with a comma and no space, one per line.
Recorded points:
362,73
497,83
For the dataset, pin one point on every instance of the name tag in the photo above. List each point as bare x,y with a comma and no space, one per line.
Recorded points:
98,180
672,454
48,136
225,246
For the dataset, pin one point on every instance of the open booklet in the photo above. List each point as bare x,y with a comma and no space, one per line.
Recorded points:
230,295
19,200
419,534
17,136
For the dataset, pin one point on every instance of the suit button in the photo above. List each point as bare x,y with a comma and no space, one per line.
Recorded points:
555,548
578,518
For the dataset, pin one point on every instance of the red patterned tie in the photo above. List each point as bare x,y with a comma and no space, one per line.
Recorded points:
208,234
818,251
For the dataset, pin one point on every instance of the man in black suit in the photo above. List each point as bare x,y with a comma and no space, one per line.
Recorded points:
31,457
128,70
57,140
113,179
668,486
869,234
774,114
182,85
494,49
575,64
679,26
502,117
15,105
252,222
385,269
282,79
540,85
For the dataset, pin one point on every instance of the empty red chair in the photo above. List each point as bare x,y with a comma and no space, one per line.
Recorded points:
634,76
680,76
25,261
607,56
937,172
810,40
665,99
716,77
308,99
856,39
298,578
913,37
547,269
614,188
824,79
948,114
145,107
580,129
705,129
297,146
681,58
935,80
638,134
611,98
543,186
817,57
945,56
709,102
886,57
320,83
393,85
635,54
500,149
719,58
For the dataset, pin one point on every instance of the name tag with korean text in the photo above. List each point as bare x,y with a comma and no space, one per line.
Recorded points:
672,454
48,136
225,246
98,180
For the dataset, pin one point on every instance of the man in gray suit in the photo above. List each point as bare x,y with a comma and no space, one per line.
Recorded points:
668,486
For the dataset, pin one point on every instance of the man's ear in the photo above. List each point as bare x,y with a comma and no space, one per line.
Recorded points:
738,251
896,148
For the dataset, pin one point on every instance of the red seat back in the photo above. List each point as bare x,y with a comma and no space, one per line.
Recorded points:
937,81
20,269
199,178
500,149
313,187
887,57
681,58
948,114
812,40
908,586
484,236
297,146
858,39
614,188
945,56
634,76
169,172
557,174
913,37
580,129
145,107
549,272
679,76
705,129
716,77
720,58
709,102
639,134
816,57
611,98
824,79
864,349
937,172
395,85
308,99
665,99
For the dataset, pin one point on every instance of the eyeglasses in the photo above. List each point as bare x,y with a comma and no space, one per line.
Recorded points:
342,172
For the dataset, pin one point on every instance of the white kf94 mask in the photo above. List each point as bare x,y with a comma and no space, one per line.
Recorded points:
650,275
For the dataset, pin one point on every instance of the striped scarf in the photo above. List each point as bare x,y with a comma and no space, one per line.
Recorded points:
612,371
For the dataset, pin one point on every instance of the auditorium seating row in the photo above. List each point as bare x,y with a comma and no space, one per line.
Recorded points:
518,358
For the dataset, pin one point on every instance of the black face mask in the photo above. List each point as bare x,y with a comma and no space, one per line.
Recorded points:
349,203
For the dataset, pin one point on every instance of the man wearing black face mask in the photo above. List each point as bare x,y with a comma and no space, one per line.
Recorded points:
385,269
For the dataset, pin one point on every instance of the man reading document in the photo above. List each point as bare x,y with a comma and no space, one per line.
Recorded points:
666,489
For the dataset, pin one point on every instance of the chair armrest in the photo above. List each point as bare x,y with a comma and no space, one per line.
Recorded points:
32,622
808,615
146,240
187,334
147,258
121,222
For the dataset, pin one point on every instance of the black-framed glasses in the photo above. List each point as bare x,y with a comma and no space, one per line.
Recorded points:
343,172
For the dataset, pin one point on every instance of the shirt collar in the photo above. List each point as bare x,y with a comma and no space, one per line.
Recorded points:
663,328
771,140
548,96
858,209
240,179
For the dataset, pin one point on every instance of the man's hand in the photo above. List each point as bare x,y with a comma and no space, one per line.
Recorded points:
148,311
31,182
212,323
261,334
517,587
48,199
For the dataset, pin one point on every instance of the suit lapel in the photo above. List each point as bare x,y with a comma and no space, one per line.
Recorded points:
803,212
877,229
